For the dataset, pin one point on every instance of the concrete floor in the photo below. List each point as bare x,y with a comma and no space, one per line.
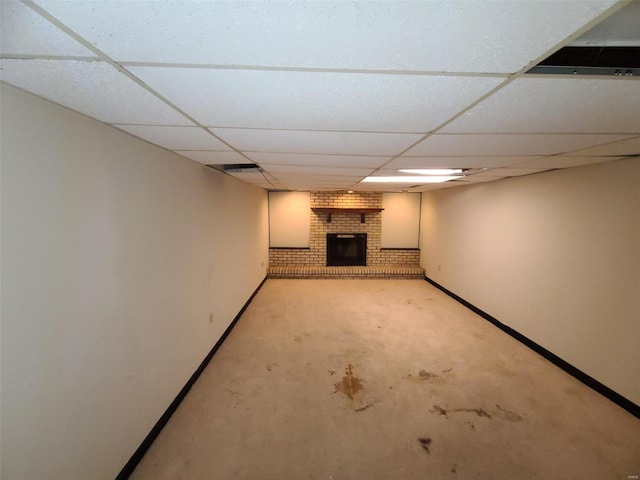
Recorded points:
437,393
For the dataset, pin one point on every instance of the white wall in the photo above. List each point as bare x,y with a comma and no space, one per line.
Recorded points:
122,264
554,256
289,219
400,220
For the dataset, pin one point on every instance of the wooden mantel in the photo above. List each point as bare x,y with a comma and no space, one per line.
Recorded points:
360,211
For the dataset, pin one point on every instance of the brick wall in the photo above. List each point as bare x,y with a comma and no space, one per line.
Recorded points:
344,222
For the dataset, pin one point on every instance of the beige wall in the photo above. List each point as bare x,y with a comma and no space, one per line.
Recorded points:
400,220
122,264
554,256
289,223
293,226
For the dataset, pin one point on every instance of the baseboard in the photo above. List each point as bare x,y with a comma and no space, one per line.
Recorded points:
591,382
130,466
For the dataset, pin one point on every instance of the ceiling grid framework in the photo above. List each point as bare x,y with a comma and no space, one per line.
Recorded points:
320,95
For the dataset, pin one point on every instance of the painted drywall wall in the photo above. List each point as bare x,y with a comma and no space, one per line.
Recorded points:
289,214
552,255
400,220
122,265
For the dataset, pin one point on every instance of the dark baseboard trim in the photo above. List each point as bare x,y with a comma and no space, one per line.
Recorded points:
128,469
589,381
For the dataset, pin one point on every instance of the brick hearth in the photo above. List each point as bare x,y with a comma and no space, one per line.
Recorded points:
312,261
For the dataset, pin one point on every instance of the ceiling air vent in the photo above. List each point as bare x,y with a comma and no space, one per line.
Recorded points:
237,168
617,61
612,47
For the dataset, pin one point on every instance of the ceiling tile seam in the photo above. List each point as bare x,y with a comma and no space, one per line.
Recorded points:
103,56
171,125
16,56
313,166
566,155
557,134
355,71
322,130
475,156
611,10
311,175
309,178
452,118
66,107
381,132
317,153
185,150
578,150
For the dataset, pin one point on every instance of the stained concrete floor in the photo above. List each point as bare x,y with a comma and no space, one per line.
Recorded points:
445,395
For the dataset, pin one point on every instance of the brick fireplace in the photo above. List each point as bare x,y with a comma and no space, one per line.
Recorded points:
312,261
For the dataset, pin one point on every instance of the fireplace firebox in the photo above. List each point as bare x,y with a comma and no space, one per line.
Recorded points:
346,249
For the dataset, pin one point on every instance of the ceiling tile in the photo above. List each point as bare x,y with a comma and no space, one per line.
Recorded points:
455,162
212,157
301,159
25,32
509,172
175,138
316,182
477,179
563,161
343,143
336,179
372,187
93,88
316,101
497,36
507,145
624,147
571,105
619,29
435,186
318,170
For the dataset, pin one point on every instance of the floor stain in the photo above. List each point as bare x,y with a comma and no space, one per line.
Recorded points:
478,411
426,375
270,366
353,387
453,469
350,384
362,407
425,442
509,415
331,372
440,410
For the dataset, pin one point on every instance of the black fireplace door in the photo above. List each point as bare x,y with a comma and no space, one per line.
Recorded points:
346,249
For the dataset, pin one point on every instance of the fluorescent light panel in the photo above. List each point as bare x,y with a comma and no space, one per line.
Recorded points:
411,179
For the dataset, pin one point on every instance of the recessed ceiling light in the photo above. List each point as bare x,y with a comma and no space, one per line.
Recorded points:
433,171
410,179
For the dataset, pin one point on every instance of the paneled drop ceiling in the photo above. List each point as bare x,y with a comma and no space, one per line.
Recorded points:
320,95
